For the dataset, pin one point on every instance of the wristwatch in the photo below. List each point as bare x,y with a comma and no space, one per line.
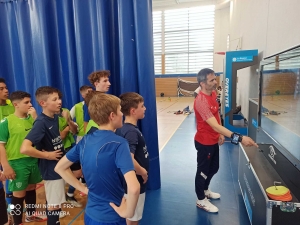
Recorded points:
236,138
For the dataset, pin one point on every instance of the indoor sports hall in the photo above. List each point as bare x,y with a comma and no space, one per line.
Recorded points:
219,117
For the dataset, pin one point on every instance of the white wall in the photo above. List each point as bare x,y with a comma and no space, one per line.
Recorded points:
222,26
222,29
270,26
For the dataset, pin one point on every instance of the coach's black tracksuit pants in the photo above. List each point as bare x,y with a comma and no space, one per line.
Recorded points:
207,167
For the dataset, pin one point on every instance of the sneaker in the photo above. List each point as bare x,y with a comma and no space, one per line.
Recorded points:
82,194
206,205
62,214
73,201
8,209
10,219
40,218
212,195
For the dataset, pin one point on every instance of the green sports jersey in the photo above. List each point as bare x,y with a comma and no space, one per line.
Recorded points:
69,139
13,131
91,124
79,118
6,110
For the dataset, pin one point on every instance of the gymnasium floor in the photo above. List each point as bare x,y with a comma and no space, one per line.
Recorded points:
285,126
289,109
174,203
167,121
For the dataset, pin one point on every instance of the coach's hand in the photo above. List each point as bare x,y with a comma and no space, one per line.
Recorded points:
247,141
221,139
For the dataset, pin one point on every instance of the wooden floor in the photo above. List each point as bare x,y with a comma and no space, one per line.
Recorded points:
289,108
168,123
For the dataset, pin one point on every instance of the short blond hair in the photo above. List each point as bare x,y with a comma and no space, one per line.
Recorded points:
96,76
101,106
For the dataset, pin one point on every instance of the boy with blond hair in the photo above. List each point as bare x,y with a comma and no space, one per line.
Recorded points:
105,161
133,108
45,136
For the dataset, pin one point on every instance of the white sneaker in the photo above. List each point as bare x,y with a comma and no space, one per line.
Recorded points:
37,218
213,195
73,201
62,214
206,205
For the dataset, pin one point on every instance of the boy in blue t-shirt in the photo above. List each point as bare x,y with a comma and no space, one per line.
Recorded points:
45,136
133,108
105,159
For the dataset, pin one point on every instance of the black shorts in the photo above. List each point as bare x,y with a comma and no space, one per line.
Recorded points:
76,165
3,212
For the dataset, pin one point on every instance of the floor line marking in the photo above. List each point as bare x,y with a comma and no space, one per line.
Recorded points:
72,221
171,135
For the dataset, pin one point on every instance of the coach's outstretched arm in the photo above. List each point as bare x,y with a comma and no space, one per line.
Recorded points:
247,141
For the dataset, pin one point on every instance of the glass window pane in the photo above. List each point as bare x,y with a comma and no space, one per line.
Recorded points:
188,39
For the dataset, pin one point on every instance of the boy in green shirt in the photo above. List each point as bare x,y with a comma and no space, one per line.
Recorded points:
6,108
77,111
67,128
21,169
4,218
91,126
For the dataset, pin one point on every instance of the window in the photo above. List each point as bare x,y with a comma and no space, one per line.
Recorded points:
183,40
157,41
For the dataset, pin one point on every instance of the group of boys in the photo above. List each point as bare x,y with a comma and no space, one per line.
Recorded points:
112,158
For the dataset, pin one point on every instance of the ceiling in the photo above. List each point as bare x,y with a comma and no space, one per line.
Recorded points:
169,4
